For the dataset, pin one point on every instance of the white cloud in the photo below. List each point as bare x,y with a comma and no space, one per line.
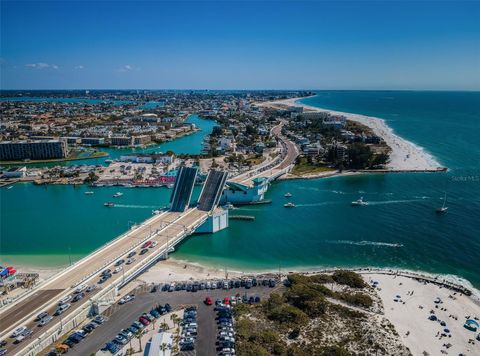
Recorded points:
79,67
127,68
41,65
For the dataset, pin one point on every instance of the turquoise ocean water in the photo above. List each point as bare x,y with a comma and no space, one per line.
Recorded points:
398,229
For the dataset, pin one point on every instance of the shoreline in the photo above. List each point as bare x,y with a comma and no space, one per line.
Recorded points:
405,156
177,269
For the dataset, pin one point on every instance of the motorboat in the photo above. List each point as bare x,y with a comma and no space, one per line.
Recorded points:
288,195
117,195
229,206
109,204
89,193
359,202
289,205
156,212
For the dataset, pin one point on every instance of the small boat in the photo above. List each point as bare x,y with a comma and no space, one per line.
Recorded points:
289,205
109,204
229,206
443,209
288,195
117,195
88,193
359,202
10,187
156,212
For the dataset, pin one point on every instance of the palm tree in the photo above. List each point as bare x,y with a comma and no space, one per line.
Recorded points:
139,335
164,326
174,318
164,347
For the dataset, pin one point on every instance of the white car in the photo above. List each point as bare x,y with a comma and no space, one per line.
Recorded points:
18,331
130,261
125,299
118,269
214,285
81,288
64,300
62,308
154,243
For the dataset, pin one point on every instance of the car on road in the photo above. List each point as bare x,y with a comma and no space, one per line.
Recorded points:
131,254
78,297
45,320
208,301
91,288
106,271
154,243
146,244
130,261
3,352
41,315
80,288
126,299
144,251
118,269
62,308
19,331
119,262
65,300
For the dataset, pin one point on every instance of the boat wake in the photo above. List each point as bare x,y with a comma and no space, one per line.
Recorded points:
366,243
392,202
318,204
136,206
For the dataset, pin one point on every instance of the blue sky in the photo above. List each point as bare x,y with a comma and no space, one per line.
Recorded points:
240,45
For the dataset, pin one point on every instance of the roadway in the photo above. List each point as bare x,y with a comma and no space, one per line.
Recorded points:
162,228
289,152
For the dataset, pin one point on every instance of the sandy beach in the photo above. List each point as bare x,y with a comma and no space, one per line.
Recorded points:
405,155
410,315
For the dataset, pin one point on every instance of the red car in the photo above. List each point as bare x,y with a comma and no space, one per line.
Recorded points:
144,321
226,300
146,244
208,301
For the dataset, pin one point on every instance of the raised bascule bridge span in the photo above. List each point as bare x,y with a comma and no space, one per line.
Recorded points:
165,230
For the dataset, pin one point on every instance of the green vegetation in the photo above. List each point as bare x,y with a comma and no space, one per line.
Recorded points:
304,166
303,315
349,278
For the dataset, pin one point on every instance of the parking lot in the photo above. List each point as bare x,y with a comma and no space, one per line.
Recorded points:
121,316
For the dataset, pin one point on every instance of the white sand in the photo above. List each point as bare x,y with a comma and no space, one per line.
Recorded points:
405,155
410,318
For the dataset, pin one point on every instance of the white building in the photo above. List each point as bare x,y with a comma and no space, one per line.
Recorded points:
161,345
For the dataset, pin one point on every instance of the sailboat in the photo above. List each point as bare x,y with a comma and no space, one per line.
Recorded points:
444,208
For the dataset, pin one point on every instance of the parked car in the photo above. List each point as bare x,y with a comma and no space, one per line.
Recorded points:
144,321
208,301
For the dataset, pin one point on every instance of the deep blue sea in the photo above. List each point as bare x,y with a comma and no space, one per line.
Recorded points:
399,228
